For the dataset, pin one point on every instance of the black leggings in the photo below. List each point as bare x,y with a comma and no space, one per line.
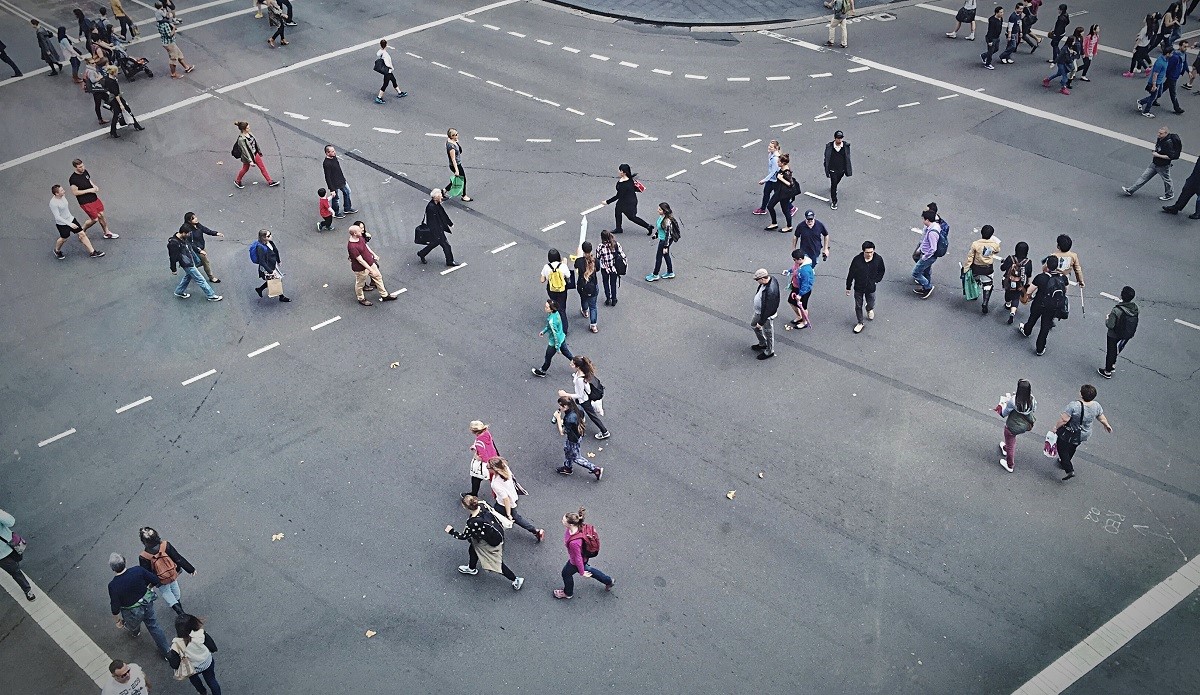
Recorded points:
462,171
631,214
1141,58
474,561
279,32
98,98
9,563
389,78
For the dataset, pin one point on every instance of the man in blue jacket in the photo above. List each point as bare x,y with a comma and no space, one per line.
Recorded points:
1155,82
1176,65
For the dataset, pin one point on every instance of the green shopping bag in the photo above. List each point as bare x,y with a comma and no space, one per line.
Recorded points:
457,184
970,286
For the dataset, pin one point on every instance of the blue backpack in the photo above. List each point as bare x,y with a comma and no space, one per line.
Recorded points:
943,244
254,252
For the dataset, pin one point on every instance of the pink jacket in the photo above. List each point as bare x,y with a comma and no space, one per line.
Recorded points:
1091,45
575,550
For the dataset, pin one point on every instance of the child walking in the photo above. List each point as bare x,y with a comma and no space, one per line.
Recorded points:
571,426
325,210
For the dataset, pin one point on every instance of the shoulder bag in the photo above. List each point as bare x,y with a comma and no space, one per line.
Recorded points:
186,669
424,234
17,544
1072,432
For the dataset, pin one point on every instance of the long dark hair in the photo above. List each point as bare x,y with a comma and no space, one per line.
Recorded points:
624,168
1024,396
573,407
185,624
589,262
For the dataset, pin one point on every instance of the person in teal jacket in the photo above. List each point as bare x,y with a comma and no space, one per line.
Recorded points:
10,560
556,340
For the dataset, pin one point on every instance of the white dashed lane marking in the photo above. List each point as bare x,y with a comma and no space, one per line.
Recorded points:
577,112
948,96
863,113
776,78
570,50
509,245
256,107
689,135
537,140
440,65
198,377
414,55
710,160
780,125
628,64
726,164
486,139
696,77
297,116
555,225
447,271
662,72
587,140
129,406
794,125
737,79
858,69
389,131
737,130
493,27
601,120
513,33
325,323
337,124
545,42
681,148
752,143
1185,323
822,74
671,176
56,437
810,194
592,209
597,56
885,91
868,214
856,101
826,118
467,74
263,349
1109,296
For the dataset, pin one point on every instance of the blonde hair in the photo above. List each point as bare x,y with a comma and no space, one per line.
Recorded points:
477,426
499,466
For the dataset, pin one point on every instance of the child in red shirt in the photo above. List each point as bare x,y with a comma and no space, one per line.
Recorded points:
325,210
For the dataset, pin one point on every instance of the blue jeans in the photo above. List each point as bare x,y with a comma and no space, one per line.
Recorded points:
193,274
132,622
569,571
1063,71
169,593
338,195
1148,101
610,281
1010,49
571,455
589,305
661,256
210,677
921,272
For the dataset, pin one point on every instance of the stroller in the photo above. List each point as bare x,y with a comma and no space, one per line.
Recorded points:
131,67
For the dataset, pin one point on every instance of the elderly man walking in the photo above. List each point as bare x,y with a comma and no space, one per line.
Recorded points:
439,225
766,306
131,598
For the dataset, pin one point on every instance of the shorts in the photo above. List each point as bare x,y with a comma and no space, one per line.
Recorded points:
93,209
964,15
173,52
66,231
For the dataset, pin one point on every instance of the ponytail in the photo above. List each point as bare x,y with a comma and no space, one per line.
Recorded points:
576,518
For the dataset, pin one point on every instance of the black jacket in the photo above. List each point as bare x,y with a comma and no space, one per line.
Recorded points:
438,220
197,232
626,196
770,301
1171,146
335,180
863,276
174,658
172,553
829,153
268,260
180,253
1060,26
995,29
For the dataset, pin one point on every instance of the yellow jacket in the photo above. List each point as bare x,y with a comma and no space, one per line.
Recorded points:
118,11
982,252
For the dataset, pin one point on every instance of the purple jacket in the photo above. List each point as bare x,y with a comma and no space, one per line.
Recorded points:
929,242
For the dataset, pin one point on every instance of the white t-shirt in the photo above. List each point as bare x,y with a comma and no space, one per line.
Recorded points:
504,490
387,58
136,685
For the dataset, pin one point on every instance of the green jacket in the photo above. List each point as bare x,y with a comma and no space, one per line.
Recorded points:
1113,316
248,152
554,330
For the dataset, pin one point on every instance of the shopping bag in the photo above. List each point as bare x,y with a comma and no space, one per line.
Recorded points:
274,287
457,184
1050,447
970,286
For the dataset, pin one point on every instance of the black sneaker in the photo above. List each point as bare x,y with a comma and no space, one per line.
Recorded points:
928,293
401,95
563,470
538,373
351,211
1101,372
239,184
599,473
60,255
96,254
273,184
1041,352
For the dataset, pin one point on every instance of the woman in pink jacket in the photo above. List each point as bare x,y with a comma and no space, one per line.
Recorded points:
577,537
1091,46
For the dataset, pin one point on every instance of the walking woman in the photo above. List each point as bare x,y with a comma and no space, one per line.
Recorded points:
94,81
588,392
1017,412
67,50
197,646
163,560
667,230
612,259
483,449
768,181
268,262
276,17
1091,46
504,490
556,339
786,190
571,427
10,559
117,103
388,71
557,279
486,537
1018,270
626,199
250,154
583,544
454,154
588,285
48,46
1142,45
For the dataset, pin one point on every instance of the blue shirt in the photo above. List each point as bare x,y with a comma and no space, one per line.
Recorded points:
128,587
1176,64
811,240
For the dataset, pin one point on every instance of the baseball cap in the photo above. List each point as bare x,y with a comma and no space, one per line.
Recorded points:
810,215
761,273
838,134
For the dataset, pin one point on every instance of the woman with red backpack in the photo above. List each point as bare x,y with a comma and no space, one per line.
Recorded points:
163,560
583,544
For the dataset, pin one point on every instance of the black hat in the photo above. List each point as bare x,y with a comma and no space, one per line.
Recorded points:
837,134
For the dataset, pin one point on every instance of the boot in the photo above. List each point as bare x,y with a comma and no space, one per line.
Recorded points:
178,608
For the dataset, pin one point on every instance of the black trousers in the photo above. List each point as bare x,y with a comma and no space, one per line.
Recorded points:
11,64
590,410
98,99
9,563
1036,312
992,47
462,171
1066,452
1169,88
127,25
389,78
1115,346
630,213
835,177
288,5
444,243
120,107
560,299
1185,196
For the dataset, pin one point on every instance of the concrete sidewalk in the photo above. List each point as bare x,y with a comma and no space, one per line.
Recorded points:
710,12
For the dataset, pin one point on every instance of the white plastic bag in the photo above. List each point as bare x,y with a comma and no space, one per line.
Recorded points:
1050,447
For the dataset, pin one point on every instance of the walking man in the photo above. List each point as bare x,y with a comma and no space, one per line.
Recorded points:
1074,427
128,28
1048,291
812,238
166,34
837,165
766,307
196,233
335,181
365,267
994,29
926,253
87,195
1191,186
1167,149
1155,81
842,9
4,56
1176,66
126,679
439,226
131,597
183,255
67,224
866,271
1012,32
1122,325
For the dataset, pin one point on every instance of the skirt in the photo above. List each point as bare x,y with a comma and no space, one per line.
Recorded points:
964,15
491,557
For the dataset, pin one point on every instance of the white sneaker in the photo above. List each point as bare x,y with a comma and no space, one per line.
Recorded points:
952,35
1005,466
518,583
467,570
870,314
1003,451
1021,330
971,36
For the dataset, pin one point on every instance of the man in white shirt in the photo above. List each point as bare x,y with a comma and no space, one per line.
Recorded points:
67,225
127,679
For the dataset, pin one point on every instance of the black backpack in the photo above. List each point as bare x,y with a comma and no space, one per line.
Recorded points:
237,148
597,389
674,233
1056,301
1126,325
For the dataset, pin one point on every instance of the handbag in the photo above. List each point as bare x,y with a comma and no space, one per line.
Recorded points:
17,544
506,522
478,468
380,66
619,263
520,488
274,287
1050,446
917,253
185,669
1072,433
457,184
639,186
424,234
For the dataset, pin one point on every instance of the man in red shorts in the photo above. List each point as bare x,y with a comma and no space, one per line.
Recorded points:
87,195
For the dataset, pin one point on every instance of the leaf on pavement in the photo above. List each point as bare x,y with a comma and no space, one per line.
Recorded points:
276,536
394,365
371,633
731,494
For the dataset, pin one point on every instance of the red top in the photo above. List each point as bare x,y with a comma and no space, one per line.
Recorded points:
326,210
359,248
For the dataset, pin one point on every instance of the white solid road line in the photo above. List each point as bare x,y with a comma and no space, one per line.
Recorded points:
911,103
1109,296
868,214
810,194
592,209
863,113
601,120
1116,633
509,245
135,404
560,223
752,143
671,176
74,641
198,377
263,349
324,323
56,437
389,131
681,148
737,130
447,271
856,101
1185,323
858,69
